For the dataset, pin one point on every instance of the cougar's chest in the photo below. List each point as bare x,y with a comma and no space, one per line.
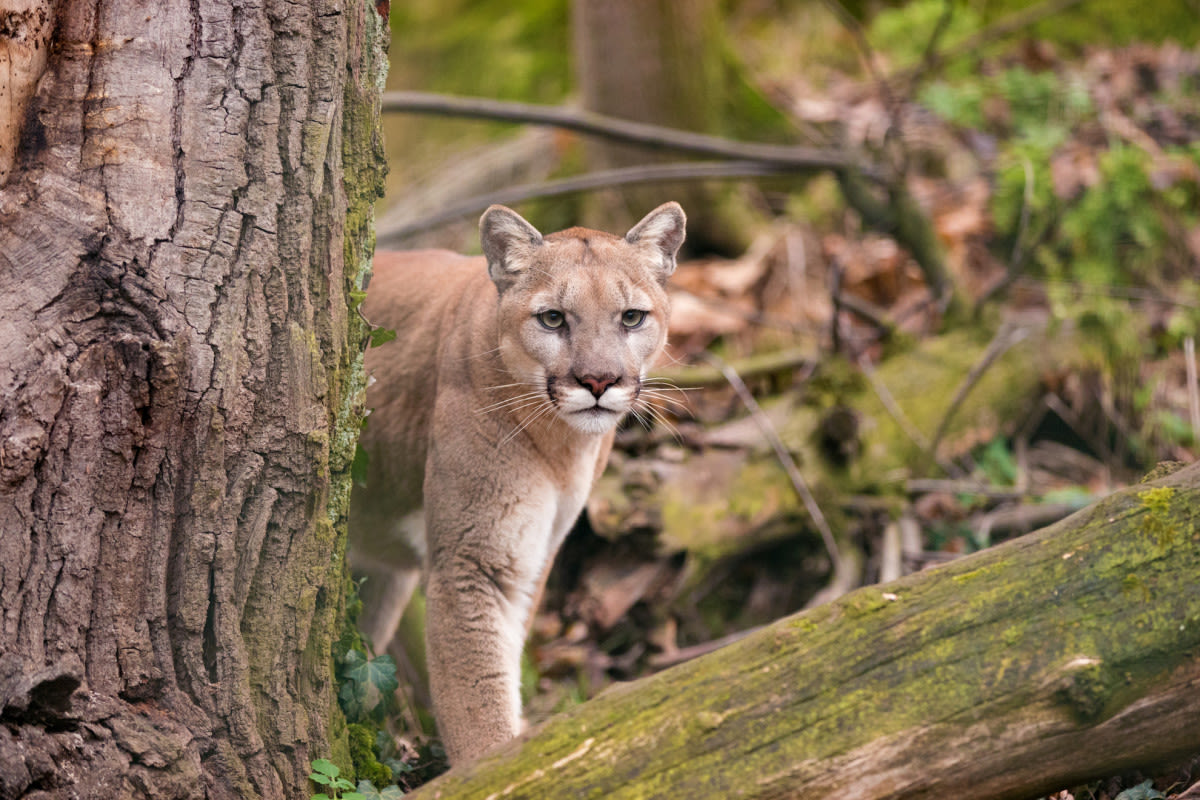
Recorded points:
572,496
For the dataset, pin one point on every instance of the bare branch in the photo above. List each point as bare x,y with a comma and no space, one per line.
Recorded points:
786,460
696,170
1008,335
794,158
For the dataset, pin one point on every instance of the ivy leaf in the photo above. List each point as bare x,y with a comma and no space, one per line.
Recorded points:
381,336
1143,791
358,466
352,699
368,790
379,672
365,683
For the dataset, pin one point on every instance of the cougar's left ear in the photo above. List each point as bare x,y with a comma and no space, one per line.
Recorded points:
508,241
664,228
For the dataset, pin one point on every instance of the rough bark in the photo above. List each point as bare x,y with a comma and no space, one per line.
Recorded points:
179,394
25,28
1068,654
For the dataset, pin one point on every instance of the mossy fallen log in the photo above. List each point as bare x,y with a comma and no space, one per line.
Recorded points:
1068,654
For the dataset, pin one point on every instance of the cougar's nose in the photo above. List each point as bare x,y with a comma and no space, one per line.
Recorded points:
596,384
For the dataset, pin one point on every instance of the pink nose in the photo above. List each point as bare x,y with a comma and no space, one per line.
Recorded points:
597,384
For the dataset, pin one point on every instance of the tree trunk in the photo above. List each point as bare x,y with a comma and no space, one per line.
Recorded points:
1069,654
665,62
181,241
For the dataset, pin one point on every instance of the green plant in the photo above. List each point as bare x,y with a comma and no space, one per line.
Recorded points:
903,32
1143,791
367,790
367,685
326,773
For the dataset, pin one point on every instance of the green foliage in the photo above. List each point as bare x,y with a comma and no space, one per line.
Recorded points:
367,685
326,773
1111,22
1116,230
903,32
358,466
367,790
997,463
1143,791
1037,109
363,754
491,48
380,336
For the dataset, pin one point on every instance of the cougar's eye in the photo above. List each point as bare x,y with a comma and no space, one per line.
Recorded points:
633,318
551,320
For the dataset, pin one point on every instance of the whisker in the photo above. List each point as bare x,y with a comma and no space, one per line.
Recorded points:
658,394
539,413
668,403
657,416
534,393
671,428
510,385
484,354
667,384
513,403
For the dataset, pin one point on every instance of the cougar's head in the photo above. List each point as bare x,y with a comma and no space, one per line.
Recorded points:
582,313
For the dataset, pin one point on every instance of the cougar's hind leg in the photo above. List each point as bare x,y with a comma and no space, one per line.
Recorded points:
385,594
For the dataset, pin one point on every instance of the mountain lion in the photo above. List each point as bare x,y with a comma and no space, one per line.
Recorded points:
493,412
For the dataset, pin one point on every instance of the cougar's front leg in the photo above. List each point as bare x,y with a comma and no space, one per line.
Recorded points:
482,578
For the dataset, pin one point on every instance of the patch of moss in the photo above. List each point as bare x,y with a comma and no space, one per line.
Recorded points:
1157,520
362,753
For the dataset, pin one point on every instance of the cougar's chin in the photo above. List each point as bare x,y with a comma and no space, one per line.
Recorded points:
592,420
588,414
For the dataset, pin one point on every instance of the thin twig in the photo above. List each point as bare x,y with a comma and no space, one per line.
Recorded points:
1071,419
1018,256
785,459
1105,290
1021,249
910,430
694,377
930,56
1193,384
1008,335
866,52
678,656
793,157
693,170
974,43
867,311
940,485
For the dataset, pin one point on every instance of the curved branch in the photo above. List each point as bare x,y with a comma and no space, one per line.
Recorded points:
792,157
699,170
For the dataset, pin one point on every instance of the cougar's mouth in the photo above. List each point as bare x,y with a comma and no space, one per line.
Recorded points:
594,417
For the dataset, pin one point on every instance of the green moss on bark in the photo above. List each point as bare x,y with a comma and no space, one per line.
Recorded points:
1033,636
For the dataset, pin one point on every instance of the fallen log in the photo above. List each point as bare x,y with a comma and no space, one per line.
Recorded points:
1068,654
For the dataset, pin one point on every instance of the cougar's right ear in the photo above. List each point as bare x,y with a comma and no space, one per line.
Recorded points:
508,241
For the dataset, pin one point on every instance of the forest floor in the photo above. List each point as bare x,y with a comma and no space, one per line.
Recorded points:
837,424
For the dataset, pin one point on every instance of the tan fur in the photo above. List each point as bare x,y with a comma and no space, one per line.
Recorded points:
487,432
